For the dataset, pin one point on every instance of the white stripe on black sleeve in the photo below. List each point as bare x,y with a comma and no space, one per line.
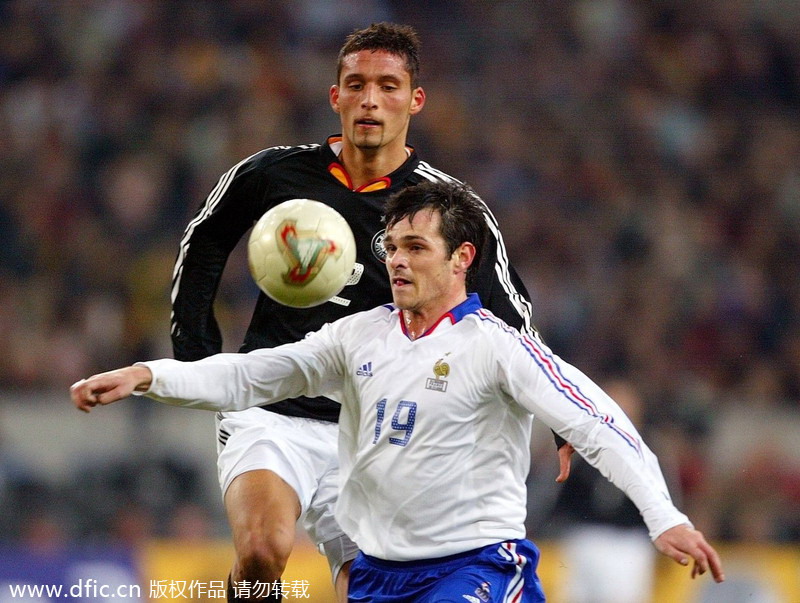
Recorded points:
502,267
208,207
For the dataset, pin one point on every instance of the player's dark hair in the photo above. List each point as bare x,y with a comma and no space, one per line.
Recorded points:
463,215
400,40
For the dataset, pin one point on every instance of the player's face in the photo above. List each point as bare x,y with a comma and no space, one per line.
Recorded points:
423,276
375,101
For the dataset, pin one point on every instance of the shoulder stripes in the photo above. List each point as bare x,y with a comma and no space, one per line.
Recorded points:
213,199
503,266
206,210
570,390
429,172
521,305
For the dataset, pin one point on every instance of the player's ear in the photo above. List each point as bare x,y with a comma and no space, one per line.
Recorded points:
333,97
417,100
463,256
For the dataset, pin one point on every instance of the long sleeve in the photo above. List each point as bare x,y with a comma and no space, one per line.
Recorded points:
575,407
229,382
221,221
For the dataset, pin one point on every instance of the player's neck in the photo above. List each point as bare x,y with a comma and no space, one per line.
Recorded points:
419,320
367,165
416,324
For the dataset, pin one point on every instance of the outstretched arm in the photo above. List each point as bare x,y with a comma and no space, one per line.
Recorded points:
682,542
573,405
105,388
227,382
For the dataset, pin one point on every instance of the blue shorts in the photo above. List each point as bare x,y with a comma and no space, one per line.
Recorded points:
500,573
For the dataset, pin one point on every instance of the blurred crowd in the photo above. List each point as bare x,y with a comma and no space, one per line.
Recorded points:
643,158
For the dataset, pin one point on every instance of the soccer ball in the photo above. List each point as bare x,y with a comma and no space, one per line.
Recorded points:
301,253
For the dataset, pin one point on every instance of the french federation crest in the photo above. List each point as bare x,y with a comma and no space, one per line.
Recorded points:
441,370
304,252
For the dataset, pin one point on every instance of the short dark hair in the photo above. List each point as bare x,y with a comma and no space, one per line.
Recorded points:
463,214
400,40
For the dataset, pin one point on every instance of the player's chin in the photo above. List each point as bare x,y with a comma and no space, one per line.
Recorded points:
401,294
368,140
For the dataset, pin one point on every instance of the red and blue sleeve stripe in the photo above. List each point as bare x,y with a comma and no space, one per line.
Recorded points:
569,390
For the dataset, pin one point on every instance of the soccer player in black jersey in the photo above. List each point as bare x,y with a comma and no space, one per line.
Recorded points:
278,464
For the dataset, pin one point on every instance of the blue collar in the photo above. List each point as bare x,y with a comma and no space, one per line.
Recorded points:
468,306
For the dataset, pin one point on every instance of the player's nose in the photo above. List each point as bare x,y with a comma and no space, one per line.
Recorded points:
397,259
369,97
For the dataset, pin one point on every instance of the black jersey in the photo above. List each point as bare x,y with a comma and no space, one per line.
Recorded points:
278,174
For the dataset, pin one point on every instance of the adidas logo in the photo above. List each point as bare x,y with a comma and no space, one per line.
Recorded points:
365,370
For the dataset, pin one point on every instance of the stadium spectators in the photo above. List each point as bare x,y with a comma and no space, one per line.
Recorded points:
643,160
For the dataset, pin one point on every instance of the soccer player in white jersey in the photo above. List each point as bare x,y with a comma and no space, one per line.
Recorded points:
277,463
438,396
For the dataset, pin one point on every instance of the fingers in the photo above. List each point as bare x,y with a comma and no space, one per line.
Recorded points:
706,558
673,553
88,393
82,396
684,558
105,388
683,543
564,462
700,565
714,563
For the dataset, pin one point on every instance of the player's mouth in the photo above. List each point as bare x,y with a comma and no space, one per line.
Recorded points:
368,123
399,281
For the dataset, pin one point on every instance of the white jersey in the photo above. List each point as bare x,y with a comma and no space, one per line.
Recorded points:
434,432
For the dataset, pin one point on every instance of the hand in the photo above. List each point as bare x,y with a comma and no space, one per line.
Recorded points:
109,387
565,453
682,542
